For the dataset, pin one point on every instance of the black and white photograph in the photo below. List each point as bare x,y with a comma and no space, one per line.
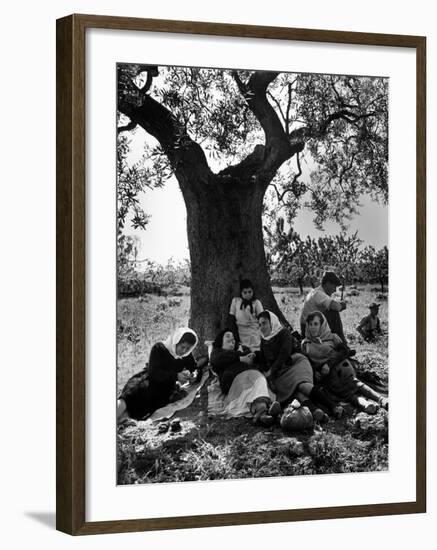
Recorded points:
252,273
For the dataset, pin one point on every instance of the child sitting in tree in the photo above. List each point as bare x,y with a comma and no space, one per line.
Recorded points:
370,325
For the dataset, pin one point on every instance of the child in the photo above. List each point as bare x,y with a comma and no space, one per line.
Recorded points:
243,315
152,388
370,325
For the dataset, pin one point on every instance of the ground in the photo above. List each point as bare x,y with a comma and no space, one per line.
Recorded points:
210,448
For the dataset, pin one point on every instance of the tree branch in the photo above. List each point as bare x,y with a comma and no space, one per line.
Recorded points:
127,127
185,155
287,123
289,188
275,100
346,115
254,91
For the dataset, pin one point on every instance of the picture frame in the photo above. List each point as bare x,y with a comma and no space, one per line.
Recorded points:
71,206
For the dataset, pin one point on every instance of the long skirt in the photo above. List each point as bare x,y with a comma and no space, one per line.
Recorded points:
245,389
287,379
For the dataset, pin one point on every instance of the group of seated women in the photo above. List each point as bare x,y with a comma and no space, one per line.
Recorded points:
258,363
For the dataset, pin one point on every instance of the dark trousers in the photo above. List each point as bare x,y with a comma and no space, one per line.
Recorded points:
334,322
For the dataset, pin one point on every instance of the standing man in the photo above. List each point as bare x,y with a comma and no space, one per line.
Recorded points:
319,299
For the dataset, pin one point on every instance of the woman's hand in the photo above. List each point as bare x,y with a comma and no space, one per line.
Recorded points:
248,359
184,376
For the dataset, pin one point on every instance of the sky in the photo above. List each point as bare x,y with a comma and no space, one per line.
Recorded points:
165,236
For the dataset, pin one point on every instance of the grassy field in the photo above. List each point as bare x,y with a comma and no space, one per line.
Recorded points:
211,448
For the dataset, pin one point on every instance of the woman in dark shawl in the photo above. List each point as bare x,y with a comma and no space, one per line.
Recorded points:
290,374
151,389
244,386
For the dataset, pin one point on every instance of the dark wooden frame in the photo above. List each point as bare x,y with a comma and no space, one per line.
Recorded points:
70,297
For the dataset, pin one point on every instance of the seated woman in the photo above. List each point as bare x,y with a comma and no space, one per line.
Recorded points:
151,389
243,384
328,355
243,315
322,347
290,374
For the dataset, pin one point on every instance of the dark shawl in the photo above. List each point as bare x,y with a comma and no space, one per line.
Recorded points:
152,387
227,365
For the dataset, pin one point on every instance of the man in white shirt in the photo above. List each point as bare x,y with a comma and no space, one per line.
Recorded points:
319,299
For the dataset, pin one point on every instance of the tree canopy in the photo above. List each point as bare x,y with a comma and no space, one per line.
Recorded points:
318,141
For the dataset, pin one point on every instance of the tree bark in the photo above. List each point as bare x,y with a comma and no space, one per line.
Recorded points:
224,227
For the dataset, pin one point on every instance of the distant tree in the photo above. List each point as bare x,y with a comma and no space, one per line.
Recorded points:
303,261
290,256
374,265
341,253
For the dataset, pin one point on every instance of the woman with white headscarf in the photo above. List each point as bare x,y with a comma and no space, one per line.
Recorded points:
152,388
290,374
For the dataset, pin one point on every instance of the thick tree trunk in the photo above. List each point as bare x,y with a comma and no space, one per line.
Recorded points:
224,227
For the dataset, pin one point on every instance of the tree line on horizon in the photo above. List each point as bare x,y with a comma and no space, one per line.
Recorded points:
292,260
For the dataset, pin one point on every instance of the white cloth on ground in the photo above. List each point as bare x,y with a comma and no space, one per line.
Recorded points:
246,387
168,410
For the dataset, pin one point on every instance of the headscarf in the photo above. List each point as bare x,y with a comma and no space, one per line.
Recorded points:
324,333
174,338
276,325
